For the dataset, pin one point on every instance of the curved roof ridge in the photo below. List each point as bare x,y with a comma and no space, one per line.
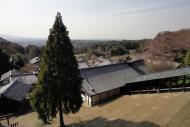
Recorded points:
88,83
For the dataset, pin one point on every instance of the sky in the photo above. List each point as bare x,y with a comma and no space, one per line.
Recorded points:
94,19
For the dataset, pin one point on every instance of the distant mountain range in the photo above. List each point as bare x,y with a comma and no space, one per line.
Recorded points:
9,47
165,46
24,41
2,40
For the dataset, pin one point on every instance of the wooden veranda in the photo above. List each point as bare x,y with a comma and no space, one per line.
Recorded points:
168,84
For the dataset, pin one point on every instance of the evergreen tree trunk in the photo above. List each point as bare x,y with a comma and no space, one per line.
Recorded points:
62,124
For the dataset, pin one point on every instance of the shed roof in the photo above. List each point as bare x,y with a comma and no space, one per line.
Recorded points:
108,77
15,90
160,75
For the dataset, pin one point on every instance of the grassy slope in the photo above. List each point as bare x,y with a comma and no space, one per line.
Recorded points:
182,118
152,110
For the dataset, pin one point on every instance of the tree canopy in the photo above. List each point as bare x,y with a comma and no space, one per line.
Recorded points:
59,82
18,61
32,51
4,63
187,58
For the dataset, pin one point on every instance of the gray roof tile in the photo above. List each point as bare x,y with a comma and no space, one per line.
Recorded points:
108,77
161,75
15,90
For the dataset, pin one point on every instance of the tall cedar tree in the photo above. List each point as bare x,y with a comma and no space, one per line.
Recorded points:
59,82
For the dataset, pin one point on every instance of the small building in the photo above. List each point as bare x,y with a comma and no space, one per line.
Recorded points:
7,77
12,96
13,90
83,64
27,78
99,61
105,82
105,62
35,60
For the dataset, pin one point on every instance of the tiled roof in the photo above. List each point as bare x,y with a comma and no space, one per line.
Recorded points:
108,77
161,75
15,90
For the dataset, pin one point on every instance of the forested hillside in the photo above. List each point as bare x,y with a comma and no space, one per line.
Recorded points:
15,56
112,48
13,49
168,46
10,48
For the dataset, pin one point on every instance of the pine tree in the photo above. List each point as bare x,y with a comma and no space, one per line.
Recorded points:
59,82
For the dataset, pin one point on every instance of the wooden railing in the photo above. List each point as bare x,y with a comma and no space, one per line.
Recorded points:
14,124
11,125
6,117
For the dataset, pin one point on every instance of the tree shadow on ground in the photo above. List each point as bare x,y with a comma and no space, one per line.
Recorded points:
103,122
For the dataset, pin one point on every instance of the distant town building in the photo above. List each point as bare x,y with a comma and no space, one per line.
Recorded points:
35,60
99,61
83,64
10,76
105,62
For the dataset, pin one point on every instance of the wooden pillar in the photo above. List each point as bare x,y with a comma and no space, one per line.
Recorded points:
85,99
88,99
140,90
7,120
108,96
184,81
177,80
170,82
158,91
100,97
159,88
